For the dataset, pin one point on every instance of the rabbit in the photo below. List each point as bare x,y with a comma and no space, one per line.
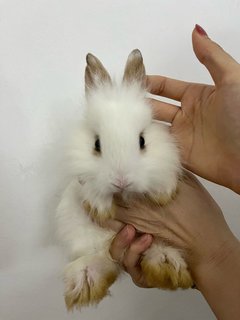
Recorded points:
117,149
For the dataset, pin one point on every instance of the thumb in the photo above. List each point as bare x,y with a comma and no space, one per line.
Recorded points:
218,62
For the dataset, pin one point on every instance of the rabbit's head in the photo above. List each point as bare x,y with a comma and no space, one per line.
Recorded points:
119,148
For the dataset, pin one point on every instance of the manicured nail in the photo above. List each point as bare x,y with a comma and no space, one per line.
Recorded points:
200,30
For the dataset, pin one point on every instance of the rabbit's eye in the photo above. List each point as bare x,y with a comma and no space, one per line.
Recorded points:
97,145
141,142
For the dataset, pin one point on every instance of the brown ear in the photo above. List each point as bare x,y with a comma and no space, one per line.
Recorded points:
95,73
134,69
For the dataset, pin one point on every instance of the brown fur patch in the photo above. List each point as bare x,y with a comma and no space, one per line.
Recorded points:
99,216
90,294
95,73
161,199
134,69
165,276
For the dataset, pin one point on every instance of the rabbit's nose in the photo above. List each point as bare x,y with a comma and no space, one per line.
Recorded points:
121,184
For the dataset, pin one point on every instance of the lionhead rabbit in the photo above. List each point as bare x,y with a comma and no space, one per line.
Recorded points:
118,148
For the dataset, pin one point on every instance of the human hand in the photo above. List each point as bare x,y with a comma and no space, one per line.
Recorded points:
192,222
207,126
127,249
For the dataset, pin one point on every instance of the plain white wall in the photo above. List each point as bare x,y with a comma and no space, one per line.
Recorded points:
42,57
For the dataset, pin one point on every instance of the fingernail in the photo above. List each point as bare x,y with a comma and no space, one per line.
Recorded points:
145,238
200,30
128,232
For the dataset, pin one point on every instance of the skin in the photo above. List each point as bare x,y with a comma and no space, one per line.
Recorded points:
207,127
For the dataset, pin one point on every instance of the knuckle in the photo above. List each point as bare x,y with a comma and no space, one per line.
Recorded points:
231,78
162,85
129,263
120,242
117,250
126,261
207,57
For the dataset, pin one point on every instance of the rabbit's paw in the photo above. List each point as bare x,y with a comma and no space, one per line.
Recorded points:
99,216
165,268
161,199
87,280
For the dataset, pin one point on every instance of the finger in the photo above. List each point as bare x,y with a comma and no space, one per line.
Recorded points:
218,62
163,111
167,87
133,255
121,242
112,224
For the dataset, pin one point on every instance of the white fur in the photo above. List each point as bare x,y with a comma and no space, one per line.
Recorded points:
117,114
75,229
158,254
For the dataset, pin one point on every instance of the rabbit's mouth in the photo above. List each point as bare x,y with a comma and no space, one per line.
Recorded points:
81,181
121,186
121,199
127,200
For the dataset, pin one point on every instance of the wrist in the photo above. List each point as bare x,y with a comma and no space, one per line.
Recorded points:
231,173
217,260
218,281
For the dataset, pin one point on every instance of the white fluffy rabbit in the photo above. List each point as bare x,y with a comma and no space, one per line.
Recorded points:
118,148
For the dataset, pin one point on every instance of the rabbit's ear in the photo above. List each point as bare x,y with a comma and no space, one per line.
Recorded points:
134,69
95,73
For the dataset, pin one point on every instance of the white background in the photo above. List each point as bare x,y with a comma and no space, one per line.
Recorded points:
43,44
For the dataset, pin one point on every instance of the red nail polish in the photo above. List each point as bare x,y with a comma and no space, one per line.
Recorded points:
200,30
